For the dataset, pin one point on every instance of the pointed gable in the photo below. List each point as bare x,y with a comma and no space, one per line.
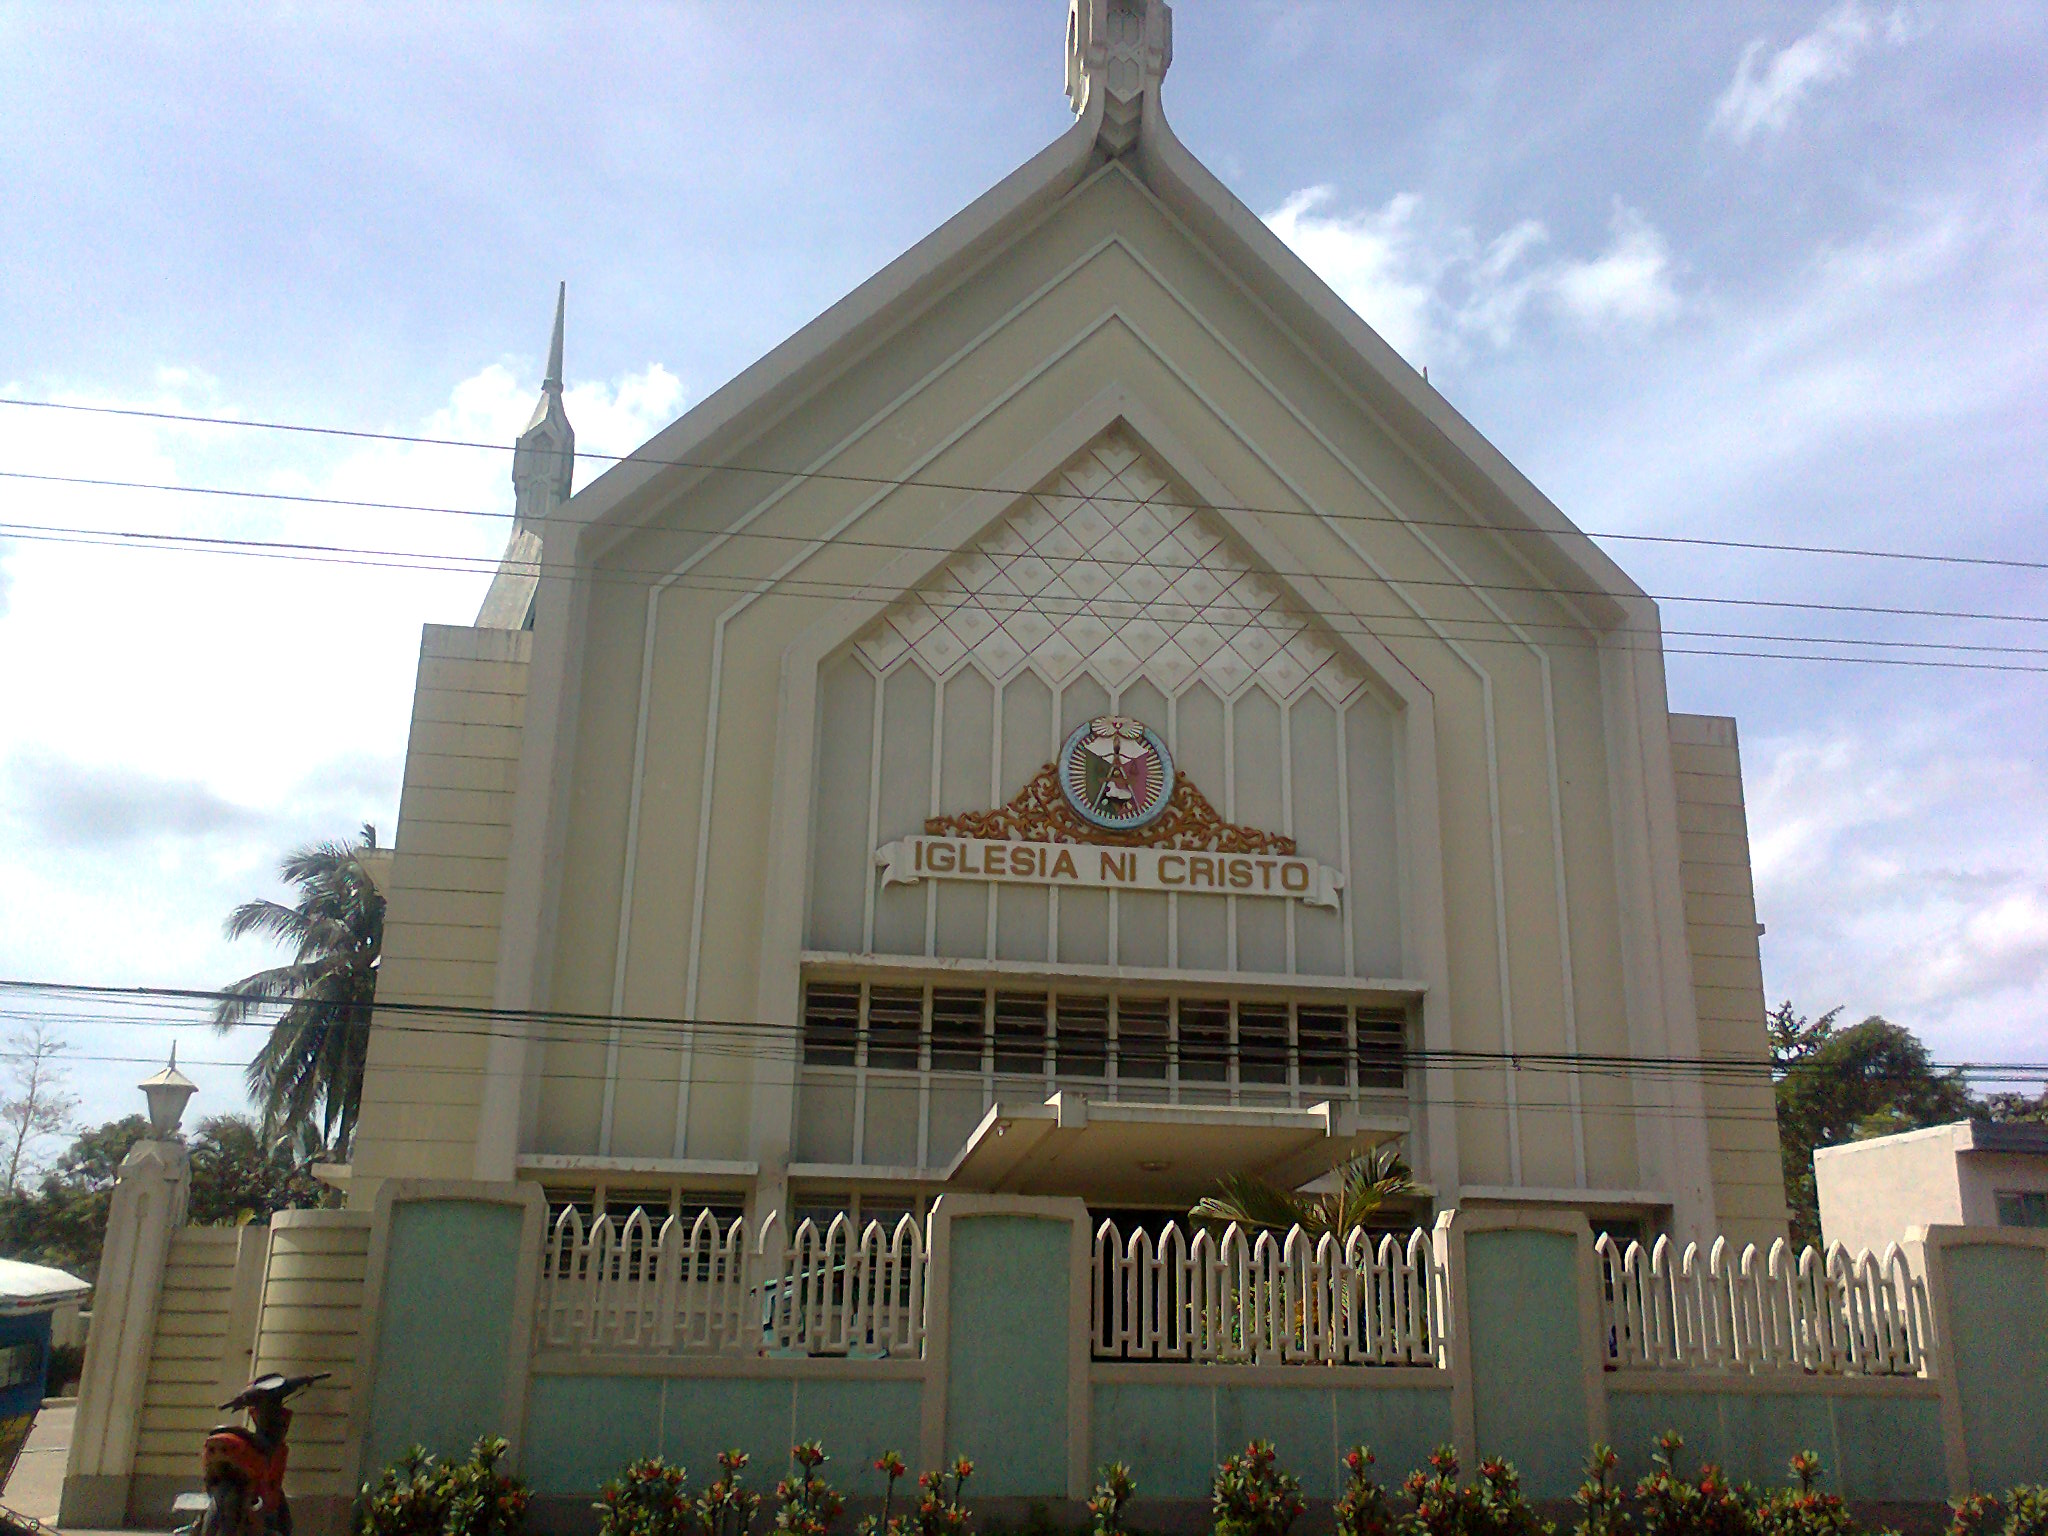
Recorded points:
1108,570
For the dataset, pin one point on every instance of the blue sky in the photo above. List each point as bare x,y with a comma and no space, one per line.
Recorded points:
1747,271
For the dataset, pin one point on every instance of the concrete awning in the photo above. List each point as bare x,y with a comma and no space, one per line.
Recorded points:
1146,1154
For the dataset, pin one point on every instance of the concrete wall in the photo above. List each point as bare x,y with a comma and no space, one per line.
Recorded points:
424,1078
178,1402
425,1308
311,1321
1942,1174
1870,1191
1721,934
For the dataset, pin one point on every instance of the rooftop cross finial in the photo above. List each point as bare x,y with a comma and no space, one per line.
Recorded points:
1119,47
554,379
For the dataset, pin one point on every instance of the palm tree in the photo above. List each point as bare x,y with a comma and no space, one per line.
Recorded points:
309,1073
1363,1185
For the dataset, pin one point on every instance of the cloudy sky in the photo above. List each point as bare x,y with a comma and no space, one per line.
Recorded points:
1773,272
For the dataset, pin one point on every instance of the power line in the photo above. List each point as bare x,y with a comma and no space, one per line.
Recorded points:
661,1032
900,483
489,563
830,590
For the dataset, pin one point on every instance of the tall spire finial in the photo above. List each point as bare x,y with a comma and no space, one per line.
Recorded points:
1120,48
554,379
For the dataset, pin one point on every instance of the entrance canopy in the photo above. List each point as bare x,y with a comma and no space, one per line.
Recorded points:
1144,1154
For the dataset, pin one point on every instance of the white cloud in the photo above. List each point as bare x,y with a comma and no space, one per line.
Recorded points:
176,721
1945,934
1770,85
1430,289
1377,259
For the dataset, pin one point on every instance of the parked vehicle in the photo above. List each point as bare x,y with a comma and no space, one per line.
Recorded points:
243,1468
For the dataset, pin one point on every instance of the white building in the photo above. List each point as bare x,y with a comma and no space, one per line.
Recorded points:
1972,1173
1081,716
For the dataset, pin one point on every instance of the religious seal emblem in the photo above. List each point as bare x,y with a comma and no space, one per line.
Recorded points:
1116,773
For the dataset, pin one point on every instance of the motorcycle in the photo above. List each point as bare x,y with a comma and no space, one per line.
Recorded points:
243,1468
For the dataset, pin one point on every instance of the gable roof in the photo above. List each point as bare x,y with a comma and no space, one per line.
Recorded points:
1131,131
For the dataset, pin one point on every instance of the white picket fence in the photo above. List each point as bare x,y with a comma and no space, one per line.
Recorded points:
692,1287
1831,1315
1267,1299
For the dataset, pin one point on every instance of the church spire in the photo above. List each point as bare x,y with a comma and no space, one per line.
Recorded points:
543,469
554,379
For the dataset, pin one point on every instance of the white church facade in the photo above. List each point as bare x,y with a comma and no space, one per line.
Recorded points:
1081,717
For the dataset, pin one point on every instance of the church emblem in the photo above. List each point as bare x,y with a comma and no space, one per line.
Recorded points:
1116,773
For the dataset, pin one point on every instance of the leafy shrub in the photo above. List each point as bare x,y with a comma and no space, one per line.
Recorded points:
940,1511
1976,1515
1804,1510
809,1503
1362,1508
649,1498
1494,1506
727,1507
1113,1490
2026,1510
1671,1506
1253,1496
423,1496
1599,1500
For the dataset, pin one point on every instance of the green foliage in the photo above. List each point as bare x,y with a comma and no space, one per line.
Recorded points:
1362,1508
888,1522
2026,1510
808,1504
1707,1506
649,1498
1838,1085
424,1496
940,1510
1804,1510
2026,1513
727,1507
236,1177
1254,1496
1114,1488
1494,1506
1363,1185
1601,1512
309,1071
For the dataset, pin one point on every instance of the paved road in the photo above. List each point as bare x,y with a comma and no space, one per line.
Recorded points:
38,1476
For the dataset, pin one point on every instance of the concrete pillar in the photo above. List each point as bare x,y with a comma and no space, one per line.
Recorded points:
1526,1380
1006,1341
148,1207
447,1316
1987,1288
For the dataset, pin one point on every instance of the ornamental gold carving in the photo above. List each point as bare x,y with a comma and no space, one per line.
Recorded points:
1039,813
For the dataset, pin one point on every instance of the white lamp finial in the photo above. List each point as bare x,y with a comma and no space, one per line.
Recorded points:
168,1092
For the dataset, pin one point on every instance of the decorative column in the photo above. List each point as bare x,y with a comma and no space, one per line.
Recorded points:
148,1207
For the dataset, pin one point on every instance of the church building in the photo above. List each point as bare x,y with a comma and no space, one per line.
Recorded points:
1083,717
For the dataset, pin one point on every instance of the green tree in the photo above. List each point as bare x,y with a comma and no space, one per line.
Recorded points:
1363,1185
1836,1085
238,1175
64,1223
310,1071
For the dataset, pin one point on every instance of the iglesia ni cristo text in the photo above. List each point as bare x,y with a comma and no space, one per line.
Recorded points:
1081,717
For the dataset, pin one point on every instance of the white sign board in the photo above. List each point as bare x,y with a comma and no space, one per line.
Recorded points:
1093,867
